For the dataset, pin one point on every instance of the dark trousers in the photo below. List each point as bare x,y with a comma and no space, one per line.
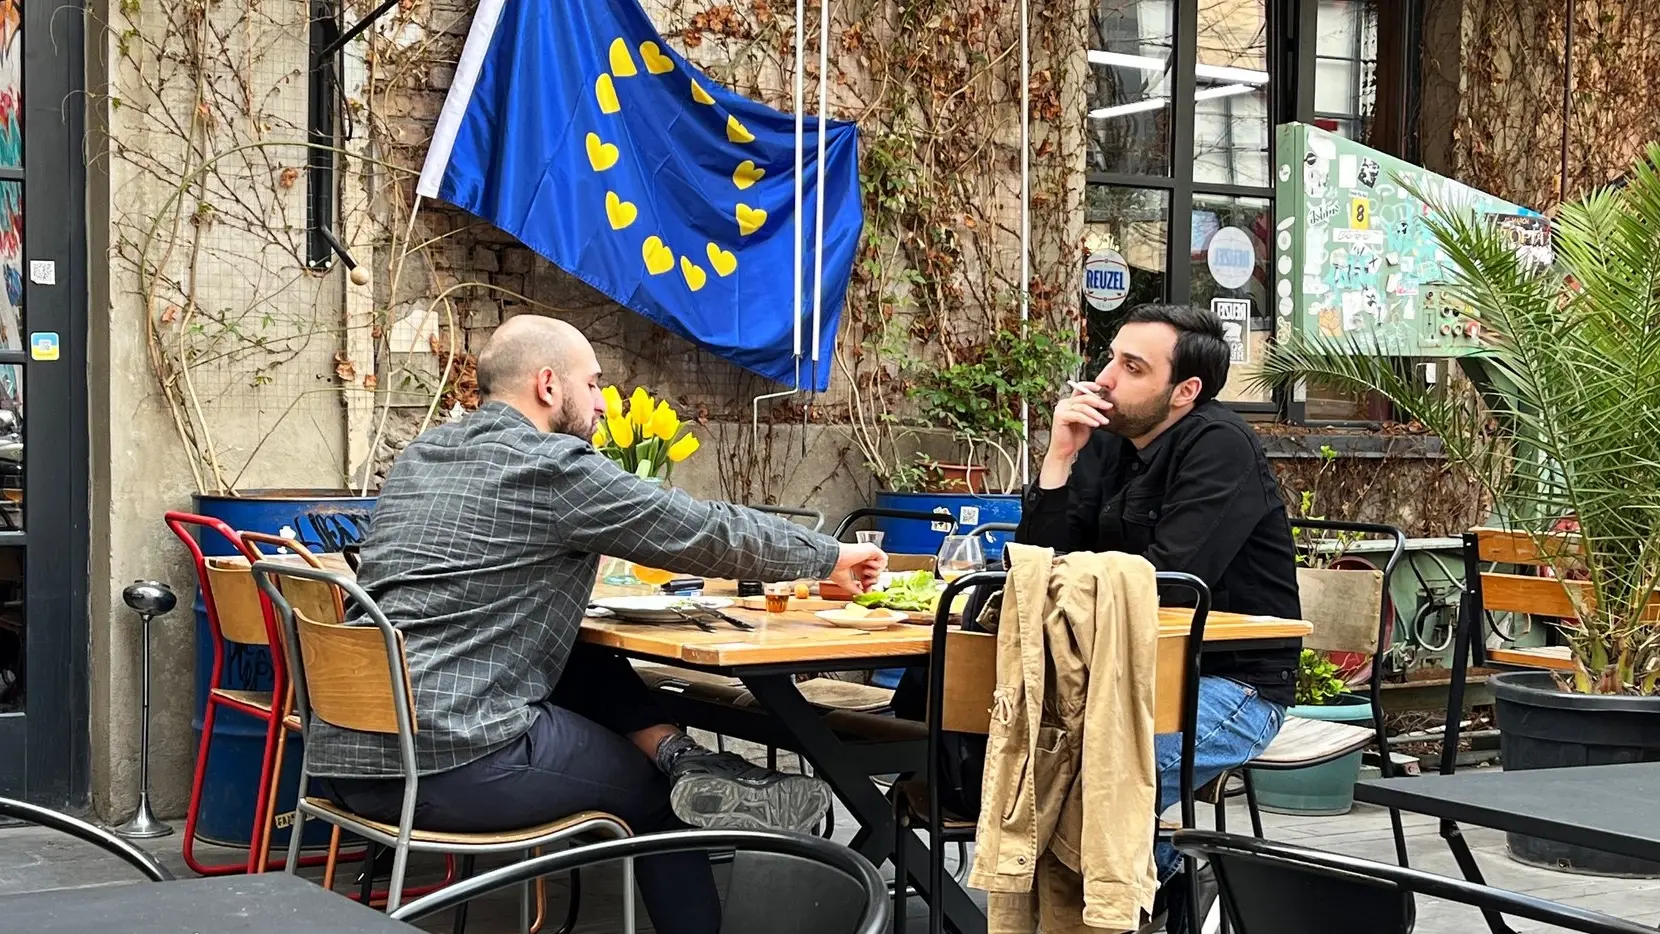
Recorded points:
576,757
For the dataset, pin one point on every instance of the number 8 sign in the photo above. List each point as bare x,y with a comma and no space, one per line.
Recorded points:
1360,214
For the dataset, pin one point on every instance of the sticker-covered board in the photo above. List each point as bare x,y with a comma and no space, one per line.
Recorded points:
1353,256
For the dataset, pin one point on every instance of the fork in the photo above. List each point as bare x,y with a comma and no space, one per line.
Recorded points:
696,621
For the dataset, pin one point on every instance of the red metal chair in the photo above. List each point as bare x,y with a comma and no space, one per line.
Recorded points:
230,619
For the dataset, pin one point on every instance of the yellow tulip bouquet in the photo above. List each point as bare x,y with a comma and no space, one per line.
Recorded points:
646,439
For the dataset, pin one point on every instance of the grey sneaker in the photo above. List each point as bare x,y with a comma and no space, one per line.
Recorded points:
724,790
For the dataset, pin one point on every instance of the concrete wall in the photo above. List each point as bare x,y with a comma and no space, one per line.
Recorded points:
266,402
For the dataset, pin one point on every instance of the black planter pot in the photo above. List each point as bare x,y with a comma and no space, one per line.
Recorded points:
1544,727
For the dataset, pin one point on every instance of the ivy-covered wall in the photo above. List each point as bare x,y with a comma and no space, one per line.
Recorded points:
934,87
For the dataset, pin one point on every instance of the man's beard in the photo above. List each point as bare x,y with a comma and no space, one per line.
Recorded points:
1134,422
573,419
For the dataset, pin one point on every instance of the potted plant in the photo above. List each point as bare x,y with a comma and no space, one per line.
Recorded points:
1329,788
975,400
1565,425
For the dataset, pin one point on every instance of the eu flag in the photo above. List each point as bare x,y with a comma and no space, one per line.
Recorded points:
573,126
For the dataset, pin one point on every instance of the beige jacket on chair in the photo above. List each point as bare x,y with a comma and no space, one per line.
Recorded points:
1067,822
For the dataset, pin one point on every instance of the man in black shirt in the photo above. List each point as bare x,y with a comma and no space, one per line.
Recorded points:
1144,460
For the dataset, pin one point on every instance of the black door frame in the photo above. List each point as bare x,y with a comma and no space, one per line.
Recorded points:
52,733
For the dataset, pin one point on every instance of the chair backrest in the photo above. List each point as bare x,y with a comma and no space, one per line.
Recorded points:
352,676
1273,888
236,600
782,883
1349,608
90,833
794,512
318,600
882,512
1521,593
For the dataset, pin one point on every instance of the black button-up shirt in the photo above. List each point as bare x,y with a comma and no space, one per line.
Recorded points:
1201,498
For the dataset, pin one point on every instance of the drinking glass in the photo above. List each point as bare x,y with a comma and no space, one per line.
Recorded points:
959,555
870,538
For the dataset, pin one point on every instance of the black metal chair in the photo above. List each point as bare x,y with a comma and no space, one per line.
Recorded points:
90,833
882,512
1272,888
782,883
959,828
793,512
1322,742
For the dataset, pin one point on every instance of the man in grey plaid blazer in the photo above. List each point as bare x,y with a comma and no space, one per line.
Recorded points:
483,550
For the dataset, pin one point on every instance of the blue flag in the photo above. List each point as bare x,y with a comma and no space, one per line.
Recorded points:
574,127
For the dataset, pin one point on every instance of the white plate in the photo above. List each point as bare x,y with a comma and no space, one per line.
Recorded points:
656,609
880,618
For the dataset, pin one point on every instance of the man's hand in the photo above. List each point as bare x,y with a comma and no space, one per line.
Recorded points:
1076,418
858,567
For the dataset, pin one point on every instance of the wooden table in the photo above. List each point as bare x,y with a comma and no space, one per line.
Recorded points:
784,645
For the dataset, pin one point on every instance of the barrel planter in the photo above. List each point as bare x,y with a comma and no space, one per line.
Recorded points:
321,520
1316,790
958,513
1544,727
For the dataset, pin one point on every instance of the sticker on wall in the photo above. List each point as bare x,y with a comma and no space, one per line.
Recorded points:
1106,280
1314,285
43,272
1232,257
1287,306
43,345
1285,223
1369,171
1284,240
1315,172
1348,167
1284,264
1283,289
1320,213
1360,213
1285,173
1323,146
1236,326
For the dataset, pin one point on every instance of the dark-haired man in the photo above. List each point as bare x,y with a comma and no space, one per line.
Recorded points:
1144,460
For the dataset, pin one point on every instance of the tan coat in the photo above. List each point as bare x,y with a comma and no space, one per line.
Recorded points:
1067,822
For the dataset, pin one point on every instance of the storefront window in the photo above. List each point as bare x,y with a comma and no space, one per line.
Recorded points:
1125,230
1130,87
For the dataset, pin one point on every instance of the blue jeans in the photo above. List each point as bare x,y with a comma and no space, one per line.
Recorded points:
1235,726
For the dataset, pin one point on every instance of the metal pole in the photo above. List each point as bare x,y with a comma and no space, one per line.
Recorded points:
1025,231
149,599
1567,97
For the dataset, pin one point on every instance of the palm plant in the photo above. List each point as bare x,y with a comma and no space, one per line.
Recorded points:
1566,431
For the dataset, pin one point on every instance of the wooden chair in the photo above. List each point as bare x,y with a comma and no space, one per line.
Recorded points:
962,677
1350,612
356,677
1488,592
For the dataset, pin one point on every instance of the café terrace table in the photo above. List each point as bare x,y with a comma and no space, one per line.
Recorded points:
1600,807
796,642
265,903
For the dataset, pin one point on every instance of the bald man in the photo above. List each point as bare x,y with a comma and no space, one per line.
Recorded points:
483,550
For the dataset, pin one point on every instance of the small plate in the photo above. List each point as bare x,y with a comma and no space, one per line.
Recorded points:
878,619
656,609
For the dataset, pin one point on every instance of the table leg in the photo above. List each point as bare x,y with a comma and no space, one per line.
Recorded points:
780,697
1472,872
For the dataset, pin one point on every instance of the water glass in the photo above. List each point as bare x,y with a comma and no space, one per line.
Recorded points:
870,538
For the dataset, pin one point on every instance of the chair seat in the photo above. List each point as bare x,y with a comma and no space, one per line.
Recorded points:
836,694
445,838
259,700
1307,742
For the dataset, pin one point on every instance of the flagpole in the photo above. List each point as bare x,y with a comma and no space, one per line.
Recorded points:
800,144
1025,232
818,175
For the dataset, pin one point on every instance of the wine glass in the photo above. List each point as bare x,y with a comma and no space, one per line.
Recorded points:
959,555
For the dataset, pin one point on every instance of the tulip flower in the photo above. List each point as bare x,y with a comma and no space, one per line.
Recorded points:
613,402
684,448
622,431
640,406
600,437
665,422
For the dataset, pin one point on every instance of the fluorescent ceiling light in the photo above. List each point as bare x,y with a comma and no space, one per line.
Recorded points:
1155,103
1148,63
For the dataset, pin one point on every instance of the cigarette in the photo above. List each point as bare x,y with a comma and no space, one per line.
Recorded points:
1080,387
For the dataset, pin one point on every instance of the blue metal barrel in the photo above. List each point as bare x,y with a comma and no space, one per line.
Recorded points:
321,520
959,513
